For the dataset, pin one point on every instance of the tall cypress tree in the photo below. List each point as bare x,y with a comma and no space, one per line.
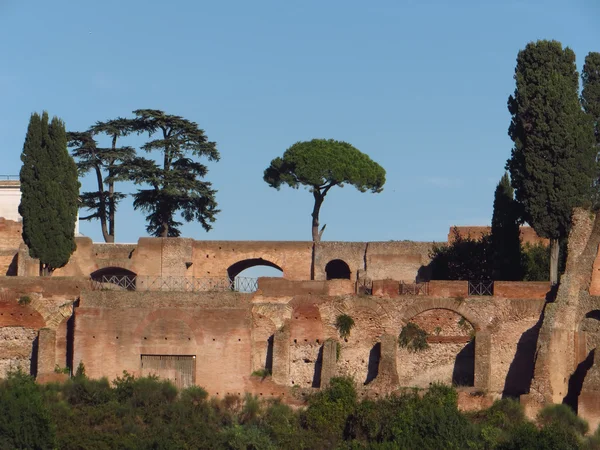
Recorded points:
552,164
50,190
505,237
590,99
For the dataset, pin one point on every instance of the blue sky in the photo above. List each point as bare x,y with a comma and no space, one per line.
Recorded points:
421,86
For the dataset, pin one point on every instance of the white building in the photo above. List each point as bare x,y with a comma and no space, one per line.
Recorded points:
10,198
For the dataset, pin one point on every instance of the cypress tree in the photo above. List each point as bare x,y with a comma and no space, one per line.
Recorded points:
50,191
590,99
552,165
505,236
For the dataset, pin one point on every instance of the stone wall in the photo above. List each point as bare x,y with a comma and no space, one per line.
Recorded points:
528,234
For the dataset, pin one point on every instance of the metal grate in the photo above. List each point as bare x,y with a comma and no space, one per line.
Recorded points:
414,288
481,288
175,284
179,370
364,286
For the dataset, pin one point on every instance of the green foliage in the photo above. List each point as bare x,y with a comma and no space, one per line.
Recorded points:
413,338
80,371
553,161
344,324
536,261
262,373
50,191
109,164
176,184
64,370
24,300
24,419
505,238
328,410
147,412
563,416
464,259
321,164
590,100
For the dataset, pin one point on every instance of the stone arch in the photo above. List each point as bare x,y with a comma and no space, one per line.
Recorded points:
239,266
337,269
118,277
442,303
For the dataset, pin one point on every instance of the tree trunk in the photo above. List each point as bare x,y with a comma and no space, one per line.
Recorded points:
102,210
316,236
111,213
554,250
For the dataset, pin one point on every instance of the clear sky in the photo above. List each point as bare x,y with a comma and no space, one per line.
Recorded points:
419,85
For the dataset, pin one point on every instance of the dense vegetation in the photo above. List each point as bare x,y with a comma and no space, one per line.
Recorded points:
144,413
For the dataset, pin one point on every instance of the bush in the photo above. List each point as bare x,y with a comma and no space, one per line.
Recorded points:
413,338
24,419
262,373
24,300
344,324
563,416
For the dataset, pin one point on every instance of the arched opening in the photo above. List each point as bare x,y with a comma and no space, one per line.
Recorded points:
114,278
436,345
587,339
244,274
337,269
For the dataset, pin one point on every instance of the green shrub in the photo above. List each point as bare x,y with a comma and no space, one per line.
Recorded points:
58,369
262,373
562,416
413,338
344,323
25,421
24,300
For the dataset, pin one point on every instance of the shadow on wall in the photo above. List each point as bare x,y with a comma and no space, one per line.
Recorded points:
576,381
33,368
316,383
521,369
269,358
463,373
12,268
373,367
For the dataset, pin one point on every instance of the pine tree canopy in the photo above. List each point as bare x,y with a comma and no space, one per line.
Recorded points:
175,182
110,164
50,191
321,164
590,95
552,164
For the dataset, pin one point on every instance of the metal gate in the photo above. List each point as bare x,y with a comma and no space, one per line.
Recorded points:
179,370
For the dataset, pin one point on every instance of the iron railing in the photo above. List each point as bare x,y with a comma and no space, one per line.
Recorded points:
481,288
9,177
421,288
174,284
364,286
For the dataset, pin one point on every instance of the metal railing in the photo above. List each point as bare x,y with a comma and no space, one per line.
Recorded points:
9,177
481,288
172,284
421,288
364,286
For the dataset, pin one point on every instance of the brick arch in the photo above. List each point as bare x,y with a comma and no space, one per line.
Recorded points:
234,269
53,316
460,308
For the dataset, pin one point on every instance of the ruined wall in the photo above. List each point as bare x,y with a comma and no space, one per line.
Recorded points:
113,331
10,239
559,369
528,234
28,305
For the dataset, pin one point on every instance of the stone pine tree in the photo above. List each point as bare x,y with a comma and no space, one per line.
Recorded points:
175,184
552,164
50,191
108,164
505,236
590,99
321,164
